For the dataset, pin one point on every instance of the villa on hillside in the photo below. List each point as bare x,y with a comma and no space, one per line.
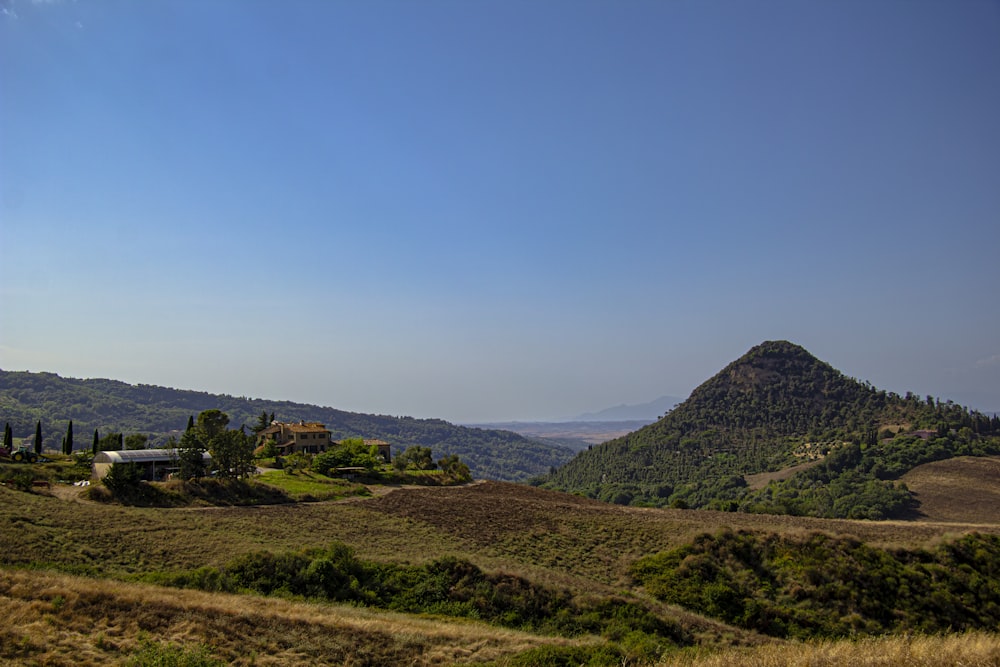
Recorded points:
306,437
310,438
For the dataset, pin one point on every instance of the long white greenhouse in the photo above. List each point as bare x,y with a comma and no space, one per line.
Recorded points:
156,464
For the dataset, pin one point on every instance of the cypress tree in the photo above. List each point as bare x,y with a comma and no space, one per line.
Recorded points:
68,442
121,441
38,437
190,423
8,437
93,450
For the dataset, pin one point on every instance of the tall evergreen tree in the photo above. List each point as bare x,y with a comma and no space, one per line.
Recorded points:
97,439
8,437
190,423
110,442
190,462
262,422
68,440
38,437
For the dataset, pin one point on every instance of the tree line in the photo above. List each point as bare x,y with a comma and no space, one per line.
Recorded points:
158,412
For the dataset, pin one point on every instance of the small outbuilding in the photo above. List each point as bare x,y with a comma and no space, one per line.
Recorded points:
155,464
384,449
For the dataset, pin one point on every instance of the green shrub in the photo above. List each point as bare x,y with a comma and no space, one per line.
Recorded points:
447,586
123,479
20,478
822,586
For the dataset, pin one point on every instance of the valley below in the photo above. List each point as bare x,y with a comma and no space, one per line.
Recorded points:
576,435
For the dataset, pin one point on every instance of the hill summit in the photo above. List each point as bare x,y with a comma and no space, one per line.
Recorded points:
780,387
779,408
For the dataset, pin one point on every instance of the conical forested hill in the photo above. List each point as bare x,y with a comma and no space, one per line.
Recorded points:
776,407
780,387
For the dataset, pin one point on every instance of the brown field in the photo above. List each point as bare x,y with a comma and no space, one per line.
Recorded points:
551,538
964,489
499,525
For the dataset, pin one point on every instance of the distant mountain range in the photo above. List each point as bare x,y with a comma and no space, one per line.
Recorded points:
159,412
644,411
780,431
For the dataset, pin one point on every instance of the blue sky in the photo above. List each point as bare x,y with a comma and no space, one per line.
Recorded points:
498,210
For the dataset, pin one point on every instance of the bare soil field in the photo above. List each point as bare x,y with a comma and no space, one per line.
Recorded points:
582,537
964,489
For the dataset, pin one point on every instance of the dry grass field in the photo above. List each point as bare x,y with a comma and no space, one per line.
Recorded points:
52,619
975,649
554,539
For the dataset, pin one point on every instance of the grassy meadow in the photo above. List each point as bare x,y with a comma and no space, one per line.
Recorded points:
74,581
56,619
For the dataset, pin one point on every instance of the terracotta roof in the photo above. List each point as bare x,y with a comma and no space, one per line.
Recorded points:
312,427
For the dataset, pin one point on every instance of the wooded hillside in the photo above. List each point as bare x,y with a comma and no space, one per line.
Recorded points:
113,406
774,408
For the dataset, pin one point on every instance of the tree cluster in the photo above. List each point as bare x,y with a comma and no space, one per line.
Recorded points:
349,453
231,450
823,586
414,458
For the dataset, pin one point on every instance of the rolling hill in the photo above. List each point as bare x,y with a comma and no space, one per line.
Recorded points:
774,408
113,406
575,581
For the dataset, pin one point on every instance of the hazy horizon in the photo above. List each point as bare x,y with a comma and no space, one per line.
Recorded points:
498,211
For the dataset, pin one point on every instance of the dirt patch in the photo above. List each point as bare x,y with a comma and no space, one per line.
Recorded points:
760,480
77,494
962,490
